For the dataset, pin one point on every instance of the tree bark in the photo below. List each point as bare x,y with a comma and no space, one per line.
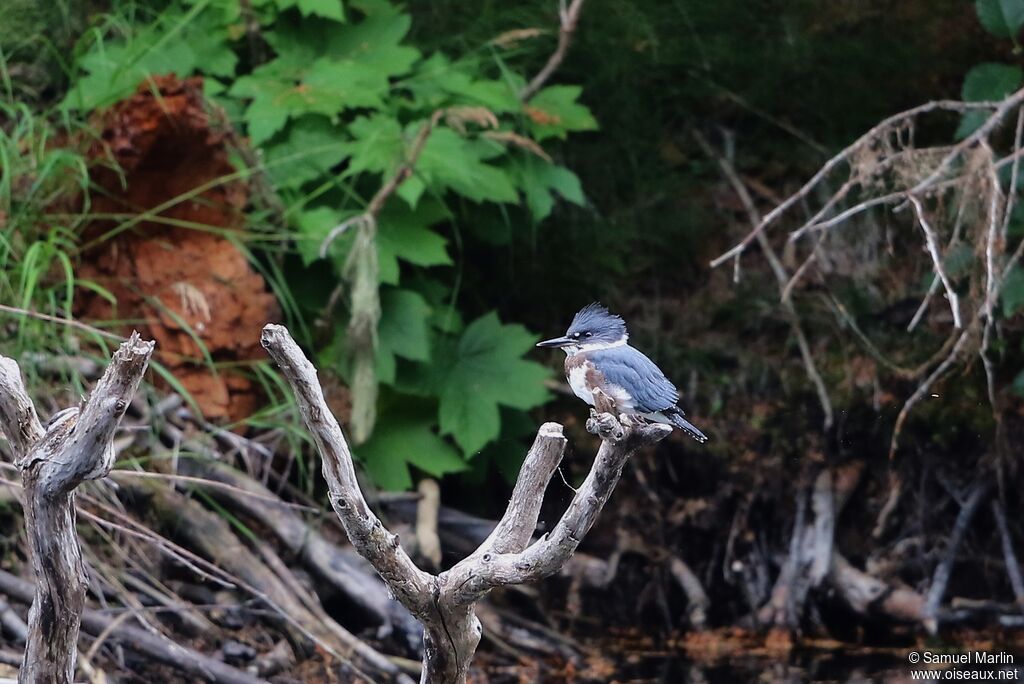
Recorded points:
444,603
76,445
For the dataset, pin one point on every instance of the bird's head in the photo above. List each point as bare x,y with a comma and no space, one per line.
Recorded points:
593,327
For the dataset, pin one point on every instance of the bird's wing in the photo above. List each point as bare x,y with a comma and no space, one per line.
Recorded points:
638,375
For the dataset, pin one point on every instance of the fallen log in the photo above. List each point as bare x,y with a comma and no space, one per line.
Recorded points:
162,650
343,568
212,536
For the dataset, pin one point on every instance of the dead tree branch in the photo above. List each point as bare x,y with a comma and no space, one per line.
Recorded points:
162,650
781,276
846,155
568,19
944,569
444,603
77,445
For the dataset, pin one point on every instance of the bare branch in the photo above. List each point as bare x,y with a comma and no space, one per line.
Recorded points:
568,19
923,388
411,586
1009,555
18,419
844,157
445,604
477,575
781,276
981,133
516,527
933,249
944,569
76,446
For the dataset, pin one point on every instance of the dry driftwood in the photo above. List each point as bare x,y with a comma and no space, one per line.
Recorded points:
161,650
212,536
77,445
444,603
341,567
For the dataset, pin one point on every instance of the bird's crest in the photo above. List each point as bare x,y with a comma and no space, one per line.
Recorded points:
597,319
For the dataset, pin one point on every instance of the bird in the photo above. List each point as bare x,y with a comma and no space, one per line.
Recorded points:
610,375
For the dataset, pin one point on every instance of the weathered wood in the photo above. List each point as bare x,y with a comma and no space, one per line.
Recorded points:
76,445
211,535
158,648
341,567
444,603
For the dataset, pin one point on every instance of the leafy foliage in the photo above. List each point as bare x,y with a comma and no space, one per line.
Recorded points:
333,100
1001,18
987,82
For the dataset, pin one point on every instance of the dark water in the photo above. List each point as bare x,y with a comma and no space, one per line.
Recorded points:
815,666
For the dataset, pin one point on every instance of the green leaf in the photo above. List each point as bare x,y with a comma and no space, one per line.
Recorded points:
1001,18
404,330
406,235
313,226
479,372
377,145
281,89
539,181
405,436
325,68
209,38
983,83
553,112
1012,295
308,150
438,83
449,161
328,9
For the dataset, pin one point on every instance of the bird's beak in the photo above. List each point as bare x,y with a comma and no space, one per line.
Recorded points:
557,342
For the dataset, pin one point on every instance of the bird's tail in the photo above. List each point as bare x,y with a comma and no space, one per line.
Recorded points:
676,417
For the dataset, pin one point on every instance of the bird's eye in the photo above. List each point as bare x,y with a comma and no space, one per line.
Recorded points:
590,334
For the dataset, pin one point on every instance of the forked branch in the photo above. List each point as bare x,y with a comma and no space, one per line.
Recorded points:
444,603
75,446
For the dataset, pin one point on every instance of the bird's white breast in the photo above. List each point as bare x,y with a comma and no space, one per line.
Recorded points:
578,383
581,388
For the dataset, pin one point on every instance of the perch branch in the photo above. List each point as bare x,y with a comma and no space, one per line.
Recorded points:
77,445
411,586
444,604
485,570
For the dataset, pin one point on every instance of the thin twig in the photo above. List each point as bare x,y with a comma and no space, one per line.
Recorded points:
568,19
781,277
933,249
843,157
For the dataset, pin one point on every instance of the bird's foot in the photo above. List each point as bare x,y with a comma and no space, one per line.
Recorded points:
606,426
628,420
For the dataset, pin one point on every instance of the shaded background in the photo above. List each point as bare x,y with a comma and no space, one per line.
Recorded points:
780,86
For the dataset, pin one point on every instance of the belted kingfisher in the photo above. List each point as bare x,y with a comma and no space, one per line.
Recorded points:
598,357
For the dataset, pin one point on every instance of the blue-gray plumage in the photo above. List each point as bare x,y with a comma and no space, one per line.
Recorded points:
600,364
